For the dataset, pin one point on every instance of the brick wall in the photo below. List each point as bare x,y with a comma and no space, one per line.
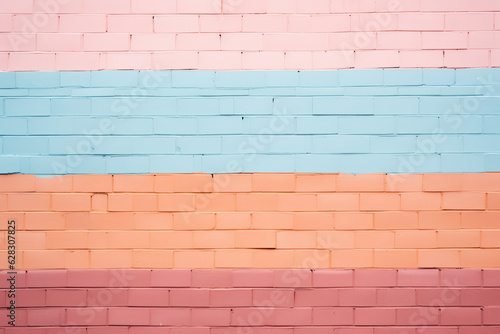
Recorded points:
254,220
236,34
237,301
349,121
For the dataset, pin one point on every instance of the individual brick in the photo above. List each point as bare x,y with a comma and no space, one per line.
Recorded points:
66,297
442,182
92,183
195,259
273,182
418,277
273,259
439,258
210,317
479,297
30,298
171,278
54,184
373,239
148,297
493,201
421,201
71,202
353,221
440,40
357,297
332,278
46,317
78,317
189,297
256,202
433,220
233,258
416,239
461,316
333,316
232,182
395,220
295,239
225,23
195,221
375,316
67,240
133,183
312,258
404,183
313,221
44,221
477,219
273,297
77,23
127,240
415,59
215,202
136,202
394,258
110,259
171,239
464,201
316,297
360,182
46,278
490,315
99,202
233,221
176,202
489,239
315,183
174,316
338,202
464,58
356,258
458,239
296,202
406,316
230,297
253,278
17,183
128,316
480,182
380,201
28,202
213,239
85,278
396,297
484,258
255,239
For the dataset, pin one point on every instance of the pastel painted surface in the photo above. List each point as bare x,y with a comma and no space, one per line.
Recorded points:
254,220
236,301
250,35
251,166
349,121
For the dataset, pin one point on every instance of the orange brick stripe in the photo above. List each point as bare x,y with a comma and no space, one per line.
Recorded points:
253,221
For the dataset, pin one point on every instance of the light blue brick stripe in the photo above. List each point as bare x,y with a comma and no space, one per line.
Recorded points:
349,121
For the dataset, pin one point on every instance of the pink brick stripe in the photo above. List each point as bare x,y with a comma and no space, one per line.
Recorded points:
451,301
248,35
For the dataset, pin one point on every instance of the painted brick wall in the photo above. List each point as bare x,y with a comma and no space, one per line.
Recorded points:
462,301
254,221
237,34
350,121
